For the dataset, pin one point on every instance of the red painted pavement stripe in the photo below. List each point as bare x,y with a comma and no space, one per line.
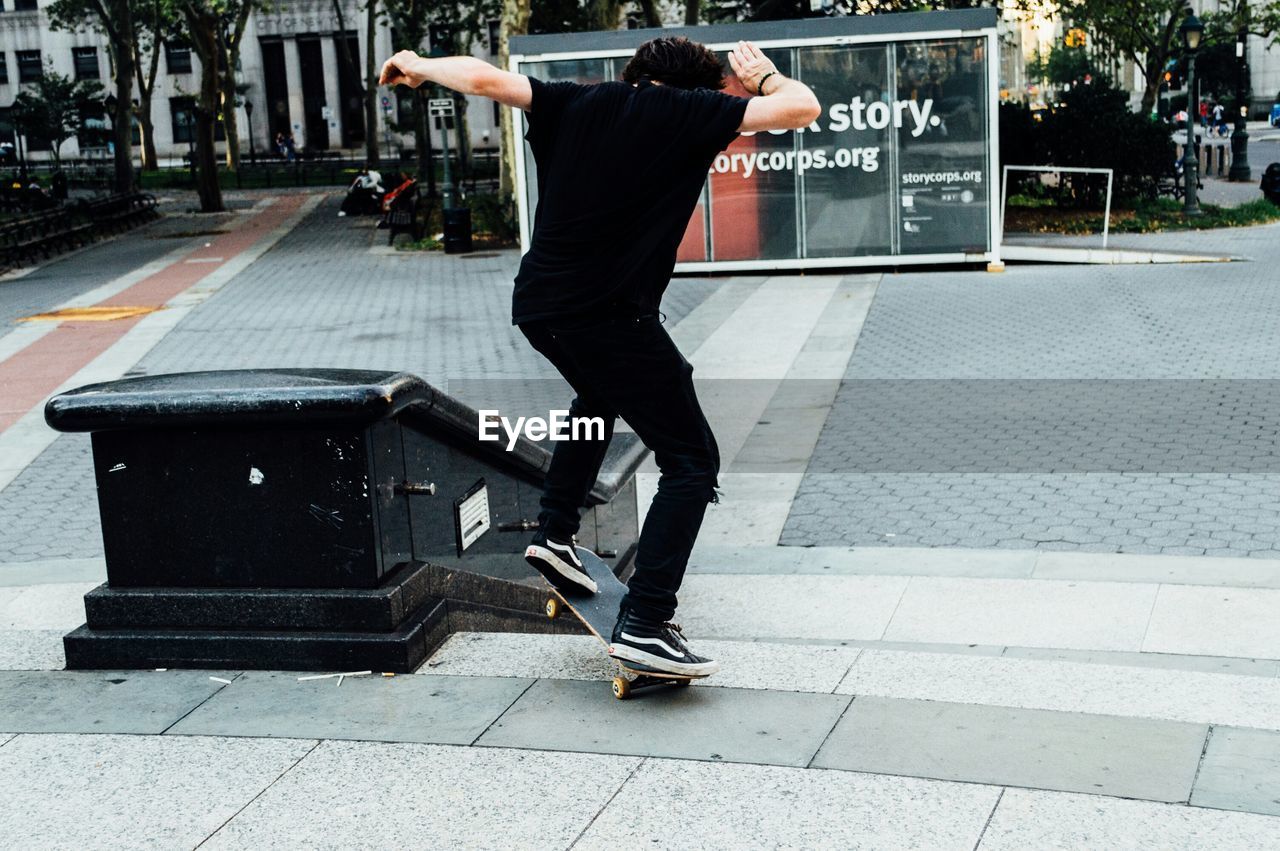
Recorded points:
28,376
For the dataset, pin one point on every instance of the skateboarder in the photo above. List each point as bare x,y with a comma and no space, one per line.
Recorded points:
620,168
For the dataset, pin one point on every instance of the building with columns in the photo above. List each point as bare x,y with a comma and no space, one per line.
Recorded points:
290,66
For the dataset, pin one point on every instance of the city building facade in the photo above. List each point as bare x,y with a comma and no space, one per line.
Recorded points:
293,78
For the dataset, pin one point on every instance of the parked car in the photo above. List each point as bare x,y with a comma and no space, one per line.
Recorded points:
1275,114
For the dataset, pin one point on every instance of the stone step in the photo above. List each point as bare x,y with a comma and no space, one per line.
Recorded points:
1142,617
1199,697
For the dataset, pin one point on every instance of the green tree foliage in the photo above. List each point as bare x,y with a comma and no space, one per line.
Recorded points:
718,11
54,108
1091,126
1142,31
1064,66
113,18
448,28
559,16
1146,31
215,29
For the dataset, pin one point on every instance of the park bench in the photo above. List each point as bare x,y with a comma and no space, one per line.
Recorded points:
1173,181
402,217
24,199
116,213
40,235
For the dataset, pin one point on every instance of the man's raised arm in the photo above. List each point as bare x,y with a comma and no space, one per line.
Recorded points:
783,104
465,74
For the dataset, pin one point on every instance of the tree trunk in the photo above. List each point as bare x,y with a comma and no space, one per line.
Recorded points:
371,70
1152,64
604,13
146,86
147,128
1152,88
205,36
691,13
121,123
651,16
230,121
515,21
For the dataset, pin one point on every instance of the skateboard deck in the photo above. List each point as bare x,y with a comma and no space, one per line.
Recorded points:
598,613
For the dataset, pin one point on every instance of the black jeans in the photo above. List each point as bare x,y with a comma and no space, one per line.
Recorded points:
625,365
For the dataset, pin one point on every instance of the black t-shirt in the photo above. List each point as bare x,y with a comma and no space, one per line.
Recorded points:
620,169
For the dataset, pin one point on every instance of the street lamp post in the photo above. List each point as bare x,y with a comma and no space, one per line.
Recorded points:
1240,170
248,113
1191,31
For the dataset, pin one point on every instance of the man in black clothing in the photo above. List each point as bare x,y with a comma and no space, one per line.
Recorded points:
620,168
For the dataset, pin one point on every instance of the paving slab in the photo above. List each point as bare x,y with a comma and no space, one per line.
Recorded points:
745,664
1125,757
1175,570
1240,771
1024,612
1215,622
53,571
53,606
444,710
855,561
365,794
31,650
101,701
1191,696
677,804
1214,664
1026,819
5,738
733,725
107,792
823,607
751,511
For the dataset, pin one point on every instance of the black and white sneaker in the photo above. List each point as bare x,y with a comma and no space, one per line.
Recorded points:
559,563
658,645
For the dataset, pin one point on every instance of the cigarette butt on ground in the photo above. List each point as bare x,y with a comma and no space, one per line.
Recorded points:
341,677
220,680
162,669
331,676
385,674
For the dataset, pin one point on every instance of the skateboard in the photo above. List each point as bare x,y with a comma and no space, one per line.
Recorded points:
598,613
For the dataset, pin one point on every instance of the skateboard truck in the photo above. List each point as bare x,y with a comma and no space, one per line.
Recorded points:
598,612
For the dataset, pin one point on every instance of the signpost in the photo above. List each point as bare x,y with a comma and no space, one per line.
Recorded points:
386,124
442,108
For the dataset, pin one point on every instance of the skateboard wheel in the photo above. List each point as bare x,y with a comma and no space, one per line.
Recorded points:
684,683
621,688
553,608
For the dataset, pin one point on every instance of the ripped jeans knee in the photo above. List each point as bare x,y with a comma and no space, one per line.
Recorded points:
688,477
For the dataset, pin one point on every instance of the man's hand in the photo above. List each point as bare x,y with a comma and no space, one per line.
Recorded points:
406,68
750,65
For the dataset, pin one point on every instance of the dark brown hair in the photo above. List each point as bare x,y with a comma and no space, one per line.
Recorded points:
675,61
